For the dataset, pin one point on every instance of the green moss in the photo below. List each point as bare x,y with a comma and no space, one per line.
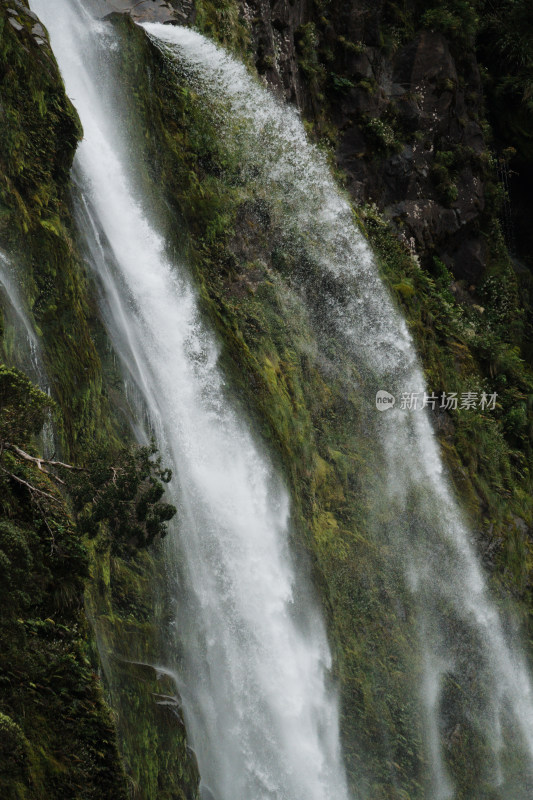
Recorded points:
456,19
381,134
57,738
49,686
38,137
469,348
223,21
298,388
126,610
314,423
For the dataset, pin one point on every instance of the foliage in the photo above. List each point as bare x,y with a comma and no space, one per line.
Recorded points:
121,488
23,407
381,135
222,21
124,604
56,734
456,19
38,136
340,83
306,405
466,346
302,394
307,40
55,730
505,47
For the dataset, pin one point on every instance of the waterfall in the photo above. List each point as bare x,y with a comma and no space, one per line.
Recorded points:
20,342
261,715
461,633
254,677
27,353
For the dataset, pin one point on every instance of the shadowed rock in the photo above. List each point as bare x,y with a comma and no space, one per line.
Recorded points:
177,12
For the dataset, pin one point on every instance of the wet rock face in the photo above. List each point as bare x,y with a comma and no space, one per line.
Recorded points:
409,140
408,116
274,27
432,184
177,12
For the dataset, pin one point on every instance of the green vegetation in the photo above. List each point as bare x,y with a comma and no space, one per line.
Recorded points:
120,490
23,407
57,735
315,423
456,19
58,738
128,613
307,41
505,46
222,20
474,348
38,136
382,135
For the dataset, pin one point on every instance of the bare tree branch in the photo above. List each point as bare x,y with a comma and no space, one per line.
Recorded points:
40,461
31,489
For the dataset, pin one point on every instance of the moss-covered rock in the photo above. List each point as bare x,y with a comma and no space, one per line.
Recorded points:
126,609
70,749
57,737
38,137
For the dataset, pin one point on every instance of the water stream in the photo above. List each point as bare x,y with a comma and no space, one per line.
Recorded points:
25,348
260,714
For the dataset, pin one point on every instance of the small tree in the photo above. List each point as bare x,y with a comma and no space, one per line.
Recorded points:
23,407
119,489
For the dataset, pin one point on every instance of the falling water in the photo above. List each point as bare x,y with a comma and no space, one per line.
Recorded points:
262,718
20,343
460,631
26,353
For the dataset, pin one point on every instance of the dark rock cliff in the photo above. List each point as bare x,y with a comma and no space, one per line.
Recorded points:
403,105
407,109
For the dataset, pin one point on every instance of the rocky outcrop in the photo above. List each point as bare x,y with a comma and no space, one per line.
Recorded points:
401,103
407,112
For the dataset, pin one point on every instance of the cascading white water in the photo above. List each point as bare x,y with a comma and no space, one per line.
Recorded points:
27,349
262,719
23,348
431,540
